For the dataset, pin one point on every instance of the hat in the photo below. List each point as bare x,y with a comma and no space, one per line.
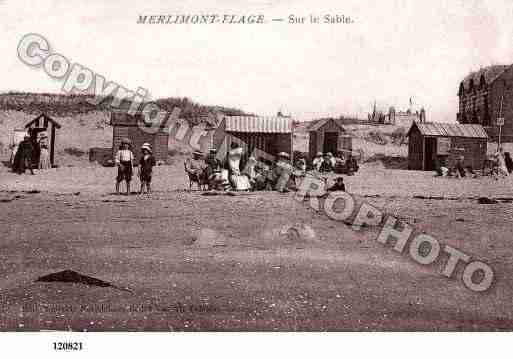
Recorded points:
212,150
197,153
283,154
329,154
146,146
126,140
302,160
319,153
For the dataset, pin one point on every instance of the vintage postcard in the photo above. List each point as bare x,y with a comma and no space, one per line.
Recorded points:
258,166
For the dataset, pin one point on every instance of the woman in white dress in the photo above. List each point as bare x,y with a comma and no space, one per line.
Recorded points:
239,181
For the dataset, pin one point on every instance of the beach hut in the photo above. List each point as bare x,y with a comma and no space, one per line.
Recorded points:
43,123
328,136
271,135
130,126
447,141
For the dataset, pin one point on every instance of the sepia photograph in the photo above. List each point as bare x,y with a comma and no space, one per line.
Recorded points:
256,166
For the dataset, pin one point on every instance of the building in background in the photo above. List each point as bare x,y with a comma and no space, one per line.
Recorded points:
399,118
484,96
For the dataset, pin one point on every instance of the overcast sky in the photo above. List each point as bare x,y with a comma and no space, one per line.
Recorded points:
394,50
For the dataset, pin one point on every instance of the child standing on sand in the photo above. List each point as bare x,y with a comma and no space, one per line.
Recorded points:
145,167
124,161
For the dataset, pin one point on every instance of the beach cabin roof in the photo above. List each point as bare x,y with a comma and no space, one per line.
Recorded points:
320,123
42,121
435,129
258,124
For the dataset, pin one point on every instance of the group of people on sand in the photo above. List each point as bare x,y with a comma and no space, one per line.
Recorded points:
30,153
501,165
253,175
329,163
125,161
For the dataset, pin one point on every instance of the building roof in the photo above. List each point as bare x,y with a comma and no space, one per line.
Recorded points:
316,125
449,130
40,120
254,124
491,73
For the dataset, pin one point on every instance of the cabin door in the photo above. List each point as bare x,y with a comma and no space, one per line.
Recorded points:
429,154
330,142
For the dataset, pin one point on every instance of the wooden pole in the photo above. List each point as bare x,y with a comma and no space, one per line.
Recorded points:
52,147
500,125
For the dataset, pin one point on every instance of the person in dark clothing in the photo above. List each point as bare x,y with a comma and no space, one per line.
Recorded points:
438,166
508,161
352,165
459,167
23,158
146,165
338,185
326,165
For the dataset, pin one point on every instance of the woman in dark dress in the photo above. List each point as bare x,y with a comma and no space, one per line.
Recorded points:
23,157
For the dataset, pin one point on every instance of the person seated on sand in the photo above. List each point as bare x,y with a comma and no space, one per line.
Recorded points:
146,164
332,159
124,160
299,171
282,172
195,164
238,181
338,185
301,166
257,179
352,165
317,161
217,177
437,162
502,170
326,165
460,170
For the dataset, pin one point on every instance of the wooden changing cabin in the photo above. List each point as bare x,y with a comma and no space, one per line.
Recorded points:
269,134
43,123
130,126
328,136
447,141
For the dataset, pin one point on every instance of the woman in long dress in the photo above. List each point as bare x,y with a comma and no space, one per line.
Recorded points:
239,181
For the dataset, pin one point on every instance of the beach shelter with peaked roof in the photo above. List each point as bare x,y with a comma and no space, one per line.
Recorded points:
44,123
446,141
328,135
